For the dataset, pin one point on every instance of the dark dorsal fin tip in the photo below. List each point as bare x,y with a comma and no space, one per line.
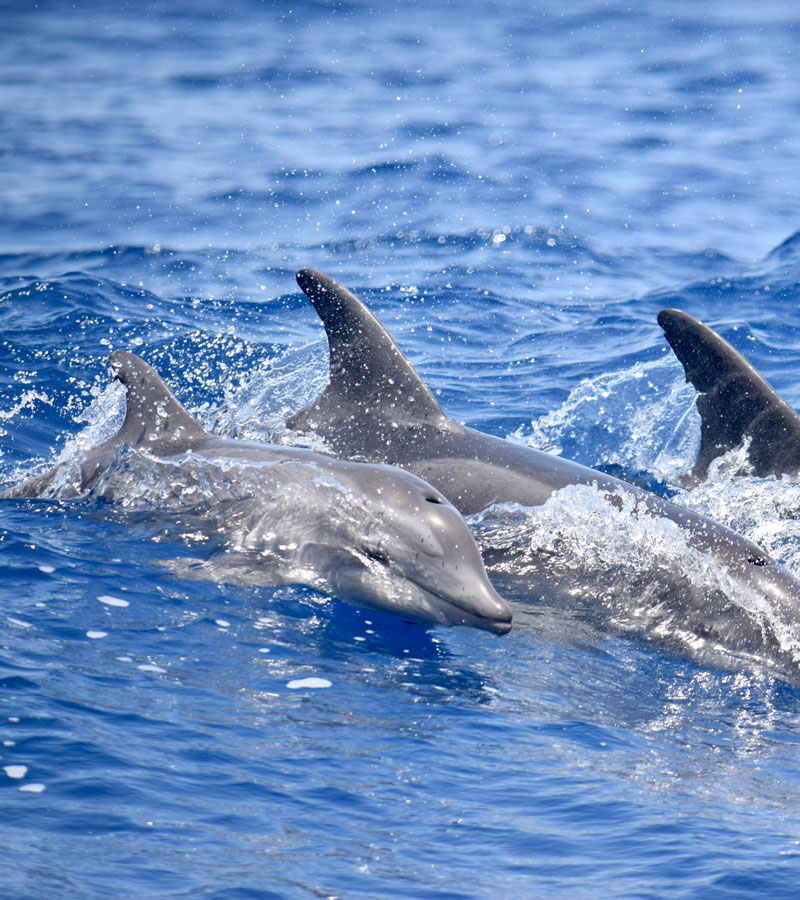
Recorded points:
734,400
342,313
705,356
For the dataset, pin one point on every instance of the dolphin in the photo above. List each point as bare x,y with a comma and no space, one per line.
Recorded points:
373,535
376,407
733,400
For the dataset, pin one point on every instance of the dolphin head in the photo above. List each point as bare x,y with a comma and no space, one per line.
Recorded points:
367,533
412,554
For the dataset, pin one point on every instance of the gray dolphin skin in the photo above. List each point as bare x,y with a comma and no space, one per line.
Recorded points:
733,400
373,535
376,407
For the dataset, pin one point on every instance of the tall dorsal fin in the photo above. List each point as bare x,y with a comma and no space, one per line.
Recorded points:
734,401
369,376
154,416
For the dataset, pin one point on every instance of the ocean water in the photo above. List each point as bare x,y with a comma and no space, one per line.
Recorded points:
516,190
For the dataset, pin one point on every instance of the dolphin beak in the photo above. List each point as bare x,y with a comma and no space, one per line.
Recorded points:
496,611
500,626
484,608
478,606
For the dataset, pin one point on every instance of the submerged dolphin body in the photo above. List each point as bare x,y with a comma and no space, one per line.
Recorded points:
733,400
377,408
370,534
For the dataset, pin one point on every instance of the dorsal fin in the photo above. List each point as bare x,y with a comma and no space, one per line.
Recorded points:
369,376
154,416
734,401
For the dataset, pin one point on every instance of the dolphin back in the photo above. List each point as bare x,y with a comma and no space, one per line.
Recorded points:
154,419
734,401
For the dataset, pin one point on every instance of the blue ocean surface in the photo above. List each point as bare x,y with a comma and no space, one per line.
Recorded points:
515,189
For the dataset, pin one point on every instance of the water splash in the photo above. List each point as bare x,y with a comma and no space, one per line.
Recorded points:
618,561
766,510
101,418
642,417
256,408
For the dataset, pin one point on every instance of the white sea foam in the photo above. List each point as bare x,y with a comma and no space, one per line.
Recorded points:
113,601
644,419
311,683
635,568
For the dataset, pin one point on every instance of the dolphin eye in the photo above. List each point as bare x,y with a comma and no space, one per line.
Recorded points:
757,560
377,555
434,499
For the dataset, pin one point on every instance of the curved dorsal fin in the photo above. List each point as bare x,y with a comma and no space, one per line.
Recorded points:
369,376
734,401
154,416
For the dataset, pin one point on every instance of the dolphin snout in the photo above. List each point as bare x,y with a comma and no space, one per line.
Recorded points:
486,609
472,602
500,614
500,625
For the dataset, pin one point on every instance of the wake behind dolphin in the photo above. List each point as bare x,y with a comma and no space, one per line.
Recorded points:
376,407
370,534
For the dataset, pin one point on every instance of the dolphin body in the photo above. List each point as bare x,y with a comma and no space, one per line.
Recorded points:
733,400
376,407
370,534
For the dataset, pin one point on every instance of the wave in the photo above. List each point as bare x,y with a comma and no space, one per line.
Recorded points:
618,564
